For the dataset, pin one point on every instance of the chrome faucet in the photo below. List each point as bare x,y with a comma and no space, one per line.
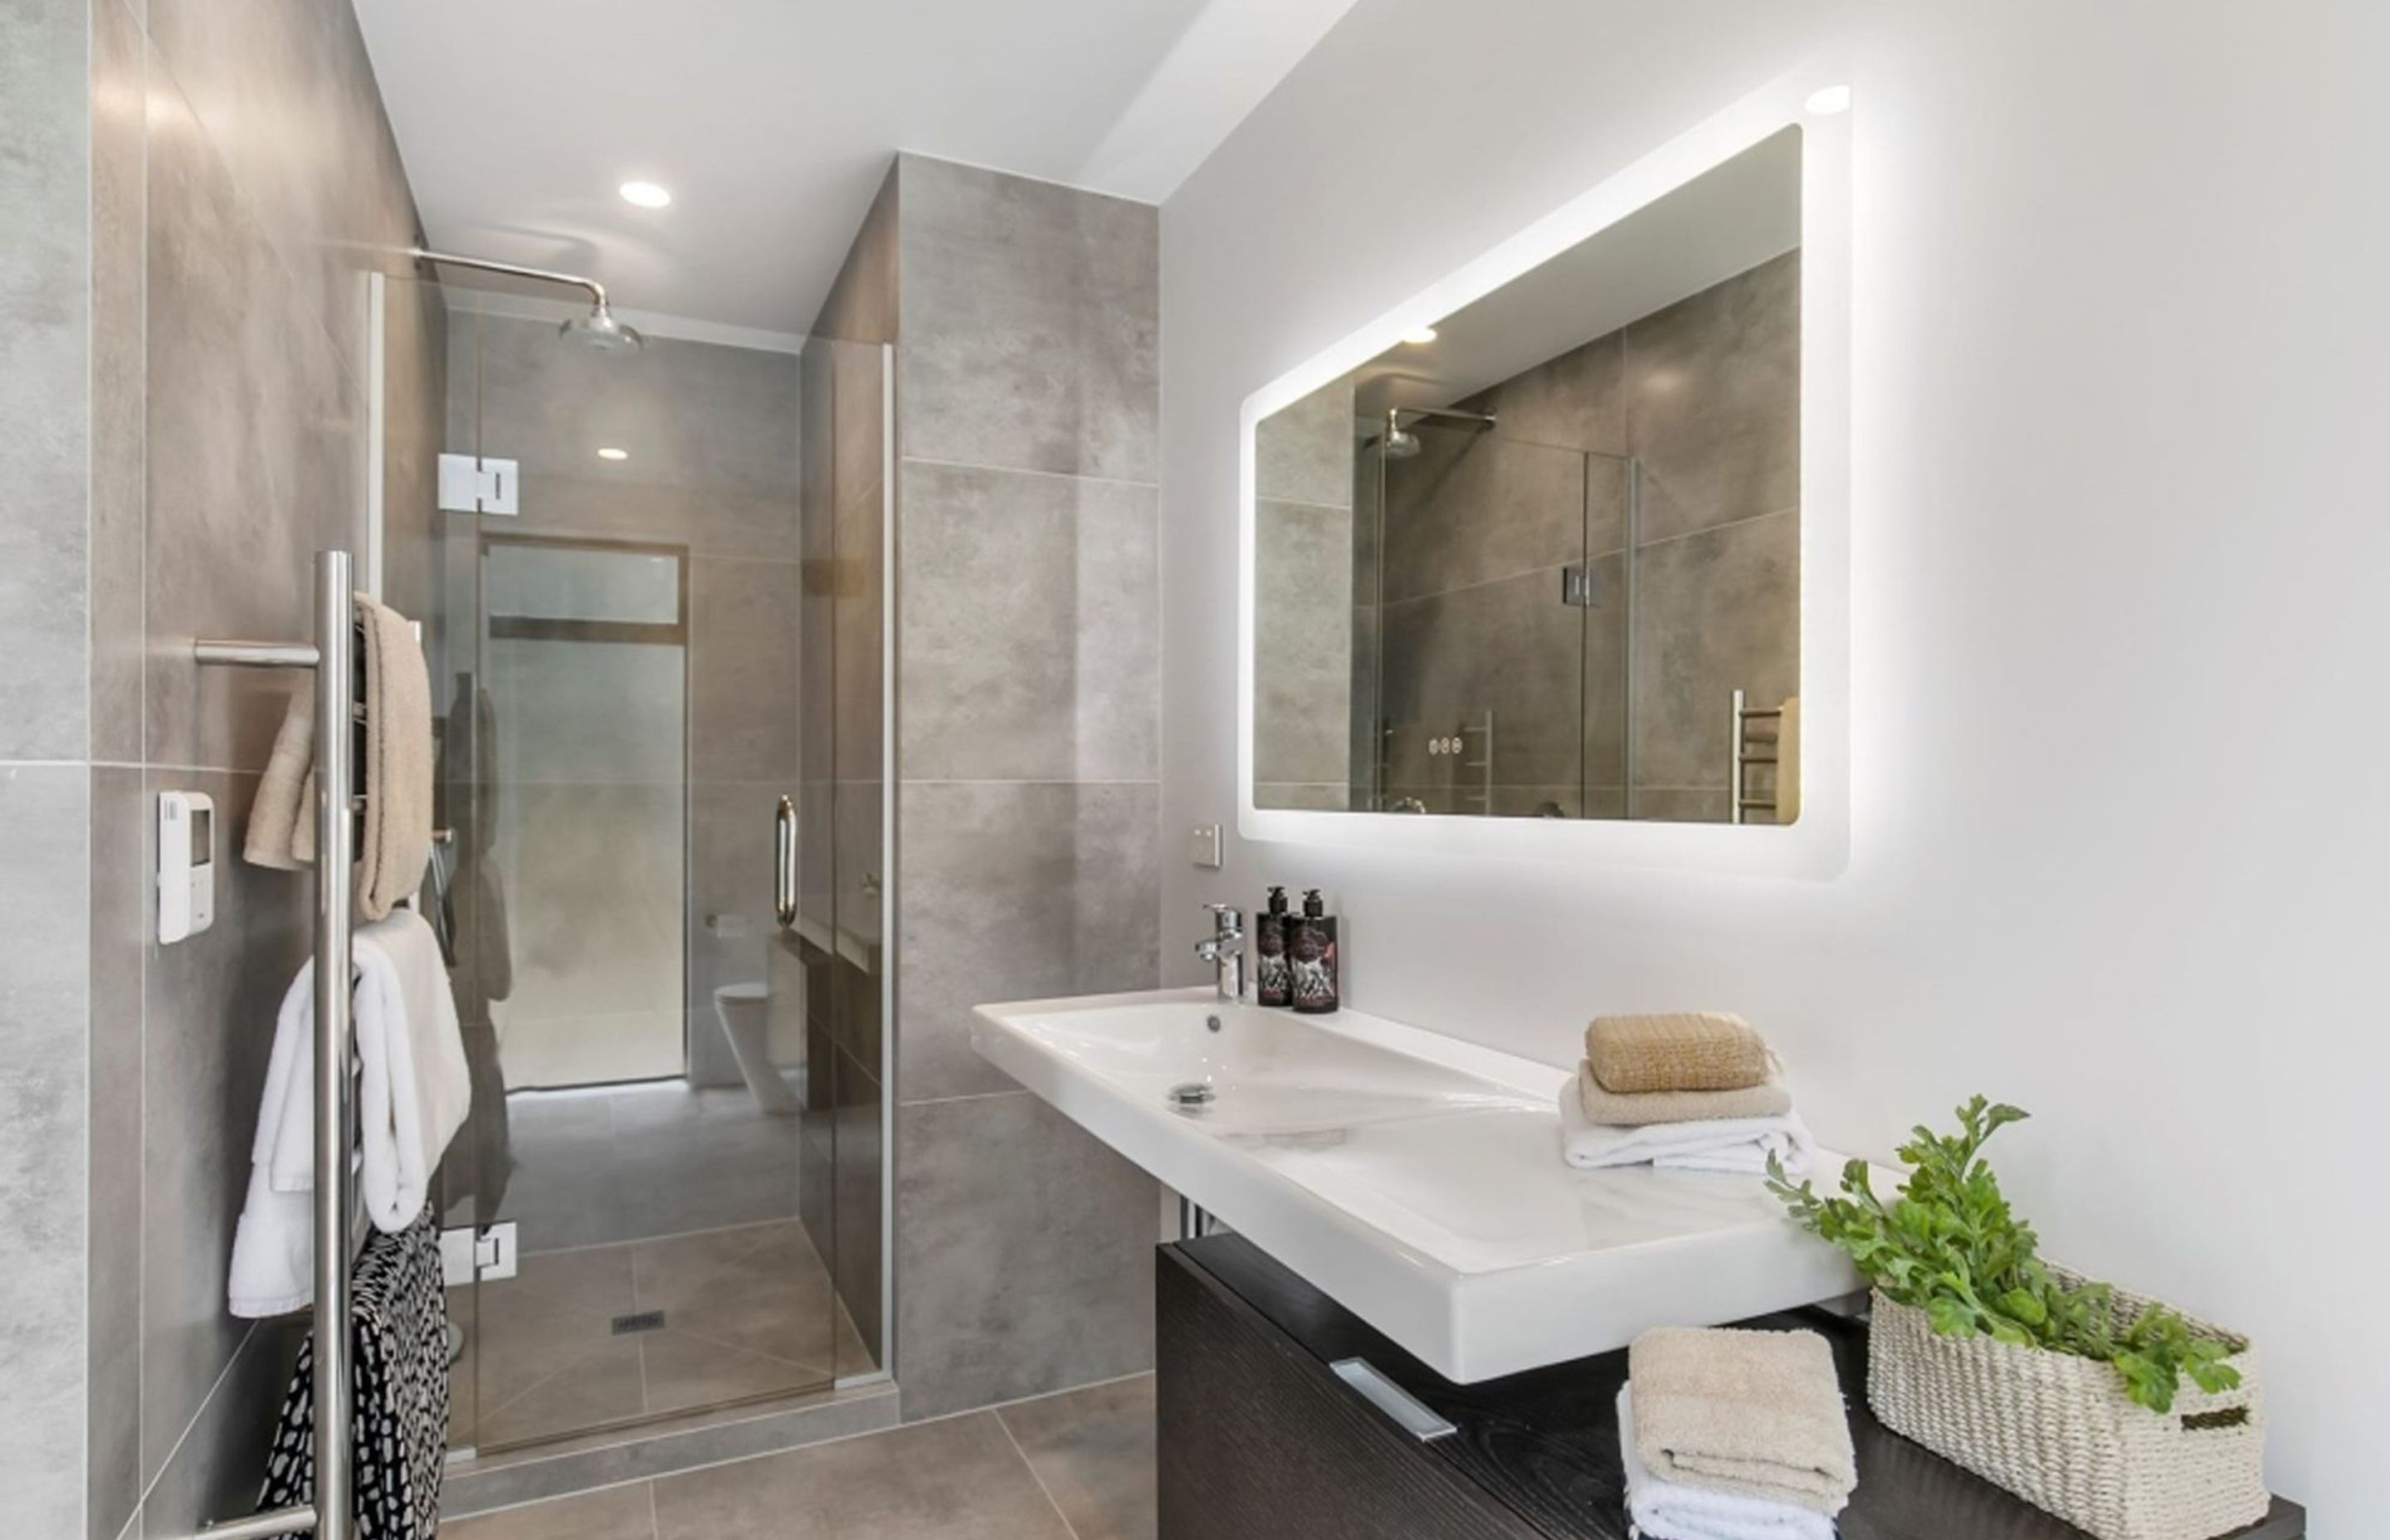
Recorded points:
1225,950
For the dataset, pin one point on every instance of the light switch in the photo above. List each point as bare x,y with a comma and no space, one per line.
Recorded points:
1203,846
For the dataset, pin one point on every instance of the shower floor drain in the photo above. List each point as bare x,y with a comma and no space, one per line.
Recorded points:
638,1320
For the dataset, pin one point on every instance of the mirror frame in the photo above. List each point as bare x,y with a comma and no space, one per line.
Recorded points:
1815,846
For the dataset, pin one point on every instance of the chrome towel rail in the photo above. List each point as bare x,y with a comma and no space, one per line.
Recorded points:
334,658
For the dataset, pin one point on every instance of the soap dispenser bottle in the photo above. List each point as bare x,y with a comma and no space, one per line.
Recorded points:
1311,958
1273,981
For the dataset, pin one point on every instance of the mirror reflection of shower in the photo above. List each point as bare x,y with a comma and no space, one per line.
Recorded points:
1396,441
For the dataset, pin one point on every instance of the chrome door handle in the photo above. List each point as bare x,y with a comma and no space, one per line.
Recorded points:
784,863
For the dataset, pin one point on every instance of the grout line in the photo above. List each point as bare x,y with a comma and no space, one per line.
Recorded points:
1018,781
248,1340
1023,470
655,1518
975,1095
1031,1466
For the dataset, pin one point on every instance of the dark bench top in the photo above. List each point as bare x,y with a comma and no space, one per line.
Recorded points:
1546,1441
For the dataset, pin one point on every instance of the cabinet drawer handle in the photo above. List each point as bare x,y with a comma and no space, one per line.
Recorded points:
1408,1412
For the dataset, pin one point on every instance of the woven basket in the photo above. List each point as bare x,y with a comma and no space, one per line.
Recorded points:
2060,1432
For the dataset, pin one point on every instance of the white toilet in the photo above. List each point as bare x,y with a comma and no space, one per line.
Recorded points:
745,1010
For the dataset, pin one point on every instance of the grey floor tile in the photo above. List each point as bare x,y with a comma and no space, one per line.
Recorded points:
1094,1451
958,1478
616,1513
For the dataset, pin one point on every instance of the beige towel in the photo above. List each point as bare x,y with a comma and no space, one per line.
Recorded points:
1681,1051
1770,1099
396,775
1754,1413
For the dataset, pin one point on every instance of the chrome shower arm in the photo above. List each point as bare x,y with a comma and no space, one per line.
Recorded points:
597,291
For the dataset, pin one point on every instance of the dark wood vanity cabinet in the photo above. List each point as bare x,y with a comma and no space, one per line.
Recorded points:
1261,1440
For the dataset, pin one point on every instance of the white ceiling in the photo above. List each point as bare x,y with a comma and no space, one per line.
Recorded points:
773,120
1727,220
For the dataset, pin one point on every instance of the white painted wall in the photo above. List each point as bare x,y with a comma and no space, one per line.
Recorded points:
2120,535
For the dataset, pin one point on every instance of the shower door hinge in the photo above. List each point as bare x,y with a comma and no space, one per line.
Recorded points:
470,485
1576,587
468,1255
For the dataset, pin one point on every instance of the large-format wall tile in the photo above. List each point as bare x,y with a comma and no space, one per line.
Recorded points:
46,298
1471,507
861,306
119,362
215,1471
44,1012
122,919
272,87
743,670
1015,892
254,447
414,390
1304,452
1575,400
1031,335
1716,612
1020,1274
1511,648
209,1003
1713,402
1303,640
708,429
957,1477
1029,641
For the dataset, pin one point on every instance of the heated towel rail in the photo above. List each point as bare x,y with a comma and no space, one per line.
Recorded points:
339,714
1749,751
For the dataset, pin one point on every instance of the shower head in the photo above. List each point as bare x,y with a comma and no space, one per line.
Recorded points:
1399,442
599,332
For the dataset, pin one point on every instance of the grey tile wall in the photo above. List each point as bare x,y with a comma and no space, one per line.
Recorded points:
191,190
1030,324
46,298
1306,566
1704,395
1028,809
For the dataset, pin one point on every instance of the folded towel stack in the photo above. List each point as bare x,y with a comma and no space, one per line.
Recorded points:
1734,1435
1691,1091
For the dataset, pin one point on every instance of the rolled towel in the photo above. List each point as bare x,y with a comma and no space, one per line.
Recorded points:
281,835
1769,1098
1755,1413
396,773
1737,1144
1669,1511
1682,1051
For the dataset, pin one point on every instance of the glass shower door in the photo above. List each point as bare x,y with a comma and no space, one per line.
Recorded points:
621,720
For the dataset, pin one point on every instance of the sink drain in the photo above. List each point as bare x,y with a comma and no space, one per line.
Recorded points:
1194,1093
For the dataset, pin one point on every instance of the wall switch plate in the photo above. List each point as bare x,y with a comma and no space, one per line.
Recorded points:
1203,846
186,865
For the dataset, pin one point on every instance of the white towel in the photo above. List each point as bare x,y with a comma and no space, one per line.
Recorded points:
1740,1145
412,1091
1666,1511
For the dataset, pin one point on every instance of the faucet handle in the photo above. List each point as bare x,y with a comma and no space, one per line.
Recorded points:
1227,918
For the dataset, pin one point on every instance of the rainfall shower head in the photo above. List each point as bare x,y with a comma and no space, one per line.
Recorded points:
597,330
1400,443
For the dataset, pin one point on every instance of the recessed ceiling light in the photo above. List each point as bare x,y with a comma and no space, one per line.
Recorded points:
611,453
1419,336
1825,103
646,195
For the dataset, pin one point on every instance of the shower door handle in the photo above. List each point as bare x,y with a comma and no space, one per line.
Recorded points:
784,863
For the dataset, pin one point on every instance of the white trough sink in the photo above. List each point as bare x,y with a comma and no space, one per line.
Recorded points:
1416,1179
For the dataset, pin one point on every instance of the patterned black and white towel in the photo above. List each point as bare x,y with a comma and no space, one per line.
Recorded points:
399,1426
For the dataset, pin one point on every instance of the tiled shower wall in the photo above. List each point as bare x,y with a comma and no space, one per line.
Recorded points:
193,191
1027,694
1705,395
1314,618
712,435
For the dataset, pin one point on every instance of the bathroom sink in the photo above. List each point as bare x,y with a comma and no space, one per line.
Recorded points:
1415,1178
